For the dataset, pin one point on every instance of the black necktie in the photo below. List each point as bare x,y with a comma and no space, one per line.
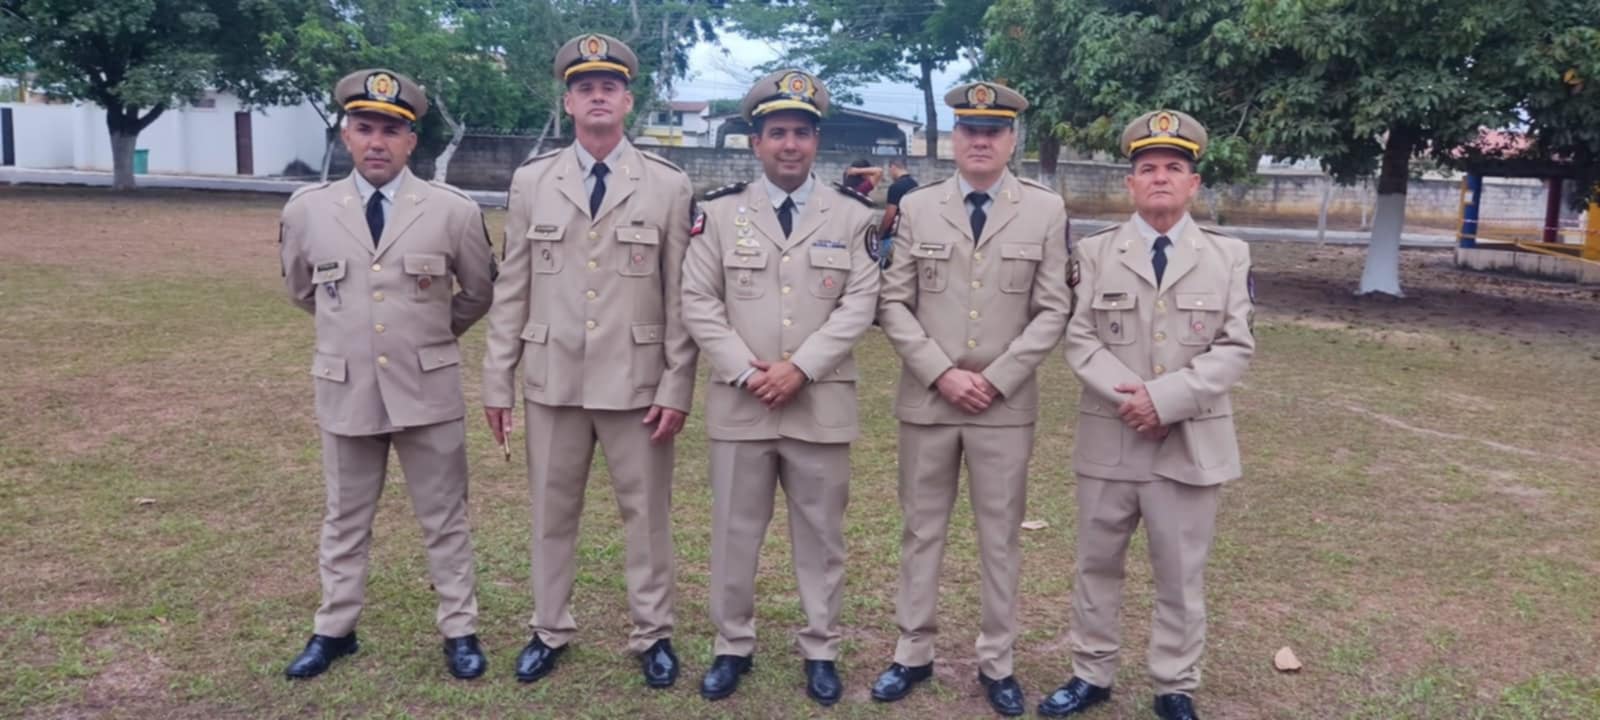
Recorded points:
375,217
786,215
1159,259
599,192
978,215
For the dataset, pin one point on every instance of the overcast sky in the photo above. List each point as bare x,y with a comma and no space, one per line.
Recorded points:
724,70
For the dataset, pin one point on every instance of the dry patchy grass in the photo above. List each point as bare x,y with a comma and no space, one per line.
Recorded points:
1417,519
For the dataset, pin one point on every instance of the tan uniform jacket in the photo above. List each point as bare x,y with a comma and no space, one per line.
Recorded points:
590,306
806,298
997,306
1189,343
387,318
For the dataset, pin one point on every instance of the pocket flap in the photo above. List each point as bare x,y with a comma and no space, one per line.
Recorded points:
749,260
1199,301
434,357
536,333
544,232
639,234
1021,251
830,258
327,271
649,334
932,251
1115,301
328,367
423,264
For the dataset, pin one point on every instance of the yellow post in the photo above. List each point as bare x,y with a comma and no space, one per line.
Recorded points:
1591,234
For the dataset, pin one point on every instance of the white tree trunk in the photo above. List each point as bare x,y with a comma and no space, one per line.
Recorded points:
458,129
122,146
1382,272
1322,214
327,157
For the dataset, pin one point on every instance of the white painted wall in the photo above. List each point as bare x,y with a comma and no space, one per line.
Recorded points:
187,141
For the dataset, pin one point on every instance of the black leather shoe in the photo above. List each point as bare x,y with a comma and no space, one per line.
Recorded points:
896,682
464,658
320,652
1074,697
660,664
1175,706
822,682
1005,695
723,677
537,660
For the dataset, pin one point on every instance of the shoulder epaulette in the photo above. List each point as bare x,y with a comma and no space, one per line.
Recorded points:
1102,231
728,189
1037,184
453,190
852,194
1215,231
652,156
541,156
303,189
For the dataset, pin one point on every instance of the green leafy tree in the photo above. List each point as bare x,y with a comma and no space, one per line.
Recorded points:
136,58
851,42
1376,83
1089,68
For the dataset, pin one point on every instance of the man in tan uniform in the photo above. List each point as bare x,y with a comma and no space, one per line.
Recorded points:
974,299
372,257
777,289
588,306
1160,336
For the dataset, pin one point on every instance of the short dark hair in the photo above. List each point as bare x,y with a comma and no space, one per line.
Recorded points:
898,163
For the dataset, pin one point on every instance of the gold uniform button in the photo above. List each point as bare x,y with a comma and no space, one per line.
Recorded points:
377,267
1161,369
972,343
593,234
1161,304
1199,303
977,256
787,322
976,284
378,327
378,296
593,264
787,354
786,289
383,360
786,258
1161,337
636,236
590,324
591,294
973,314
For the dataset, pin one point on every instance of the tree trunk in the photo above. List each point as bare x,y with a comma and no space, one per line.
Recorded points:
1322,213
124,125
1049,160
1382,272
458,130
925,83
122,146
538,145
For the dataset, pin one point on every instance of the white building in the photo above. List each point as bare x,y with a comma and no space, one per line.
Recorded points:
214,136
681,124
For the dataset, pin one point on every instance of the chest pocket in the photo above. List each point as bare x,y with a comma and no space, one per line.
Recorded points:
546,248
426,273
933,266
1018,262
1115,315
745,273
830,269
327,275
1202,317
640,246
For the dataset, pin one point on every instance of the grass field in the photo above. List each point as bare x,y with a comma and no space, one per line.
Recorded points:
1418,518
